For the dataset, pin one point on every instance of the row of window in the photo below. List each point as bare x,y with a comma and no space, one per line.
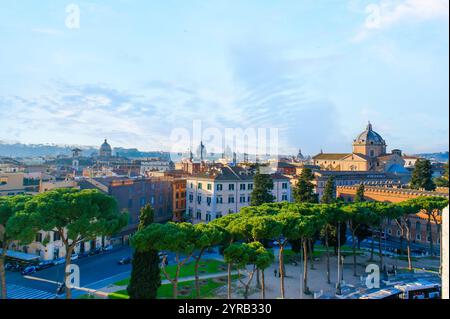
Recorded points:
143,201
242,187
231,200
219,187
39,237
208,216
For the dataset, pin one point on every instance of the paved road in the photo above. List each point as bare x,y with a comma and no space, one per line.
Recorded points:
93,269
96,272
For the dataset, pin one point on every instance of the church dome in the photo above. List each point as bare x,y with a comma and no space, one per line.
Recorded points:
369,136
105,149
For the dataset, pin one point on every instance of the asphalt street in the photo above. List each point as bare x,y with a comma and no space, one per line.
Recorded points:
96,272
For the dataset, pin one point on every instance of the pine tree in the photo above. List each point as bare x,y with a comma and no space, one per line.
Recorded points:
359,197
422,176
329,192
304,190
145,274
262,187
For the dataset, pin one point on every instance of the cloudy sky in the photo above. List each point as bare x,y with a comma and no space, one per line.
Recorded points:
134,71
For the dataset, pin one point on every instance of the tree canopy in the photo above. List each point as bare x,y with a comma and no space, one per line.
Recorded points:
422,176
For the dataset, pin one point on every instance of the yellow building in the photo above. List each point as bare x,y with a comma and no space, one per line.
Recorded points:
369,154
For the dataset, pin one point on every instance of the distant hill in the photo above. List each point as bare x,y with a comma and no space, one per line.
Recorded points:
435,157
37,150
18,150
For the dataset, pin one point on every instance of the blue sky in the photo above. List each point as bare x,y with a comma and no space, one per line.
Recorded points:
317,70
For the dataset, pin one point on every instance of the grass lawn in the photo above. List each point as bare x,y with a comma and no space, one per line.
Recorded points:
208,266
186,290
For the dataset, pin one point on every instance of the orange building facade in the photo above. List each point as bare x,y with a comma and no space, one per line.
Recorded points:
179,198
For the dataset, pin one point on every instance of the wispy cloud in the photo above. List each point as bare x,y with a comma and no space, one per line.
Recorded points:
388,13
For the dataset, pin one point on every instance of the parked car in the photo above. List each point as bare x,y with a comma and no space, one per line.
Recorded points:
44,264
74,257
107,248
17,267
125,261
29,270
95,251
59,261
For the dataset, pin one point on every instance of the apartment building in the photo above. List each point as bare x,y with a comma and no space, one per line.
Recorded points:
11,184
134,193
225,190
48,245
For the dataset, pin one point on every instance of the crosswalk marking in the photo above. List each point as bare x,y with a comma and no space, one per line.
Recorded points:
19,292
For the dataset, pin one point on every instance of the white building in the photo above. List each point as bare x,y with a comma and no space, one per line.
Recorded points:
225,190
49,246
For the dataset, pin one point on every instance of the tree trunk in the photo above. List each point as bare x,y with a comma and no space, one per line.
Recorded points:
338,285
258,279
263,285
197,284
175,282
380,248
408,247
305,267
311,255
69,250
328,257
281,266
401,244
354,252
229,281
175,289
249,281
430,234
197,279
3,273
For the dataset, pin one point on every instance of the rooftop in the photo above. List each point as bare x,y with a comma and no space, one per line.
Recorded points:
330,156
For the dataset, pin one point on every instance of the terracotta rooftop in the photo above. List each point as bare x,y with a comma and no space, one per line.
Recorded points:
330,156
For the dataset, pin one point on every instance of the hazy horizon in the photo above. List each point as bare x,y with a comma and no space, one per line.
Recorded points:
133,71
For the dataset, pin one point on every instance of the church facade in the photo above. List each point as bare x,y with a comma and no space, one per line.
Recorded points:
369,154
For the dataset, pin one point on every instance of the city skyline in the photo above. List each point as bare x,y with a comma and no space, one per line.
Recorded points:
133,72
